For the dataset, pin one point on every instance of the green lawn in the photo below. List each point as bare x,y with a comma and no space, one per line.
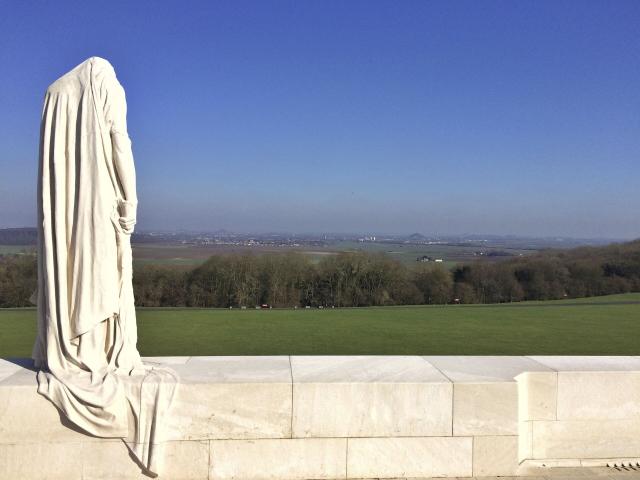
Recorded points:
595,326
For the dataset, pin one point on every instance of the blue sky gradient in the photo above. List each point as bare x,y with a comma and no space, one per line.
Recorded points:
514,117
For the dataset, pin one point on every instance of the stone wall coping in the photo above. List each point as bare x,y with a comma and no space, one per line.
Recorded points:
349,417
355,368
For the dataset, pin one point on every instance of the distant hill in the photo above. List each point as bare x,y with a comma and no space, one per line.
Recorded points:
417,237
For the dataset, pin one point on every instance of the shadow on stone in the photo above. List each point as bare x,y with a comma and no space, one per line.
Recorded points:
22,362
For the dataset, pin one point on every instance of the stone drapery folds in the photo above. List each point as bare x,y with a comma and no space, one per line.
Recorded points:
86,350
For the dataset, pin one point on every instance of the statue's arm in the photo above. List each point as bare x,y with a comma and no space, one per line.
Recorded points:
122,155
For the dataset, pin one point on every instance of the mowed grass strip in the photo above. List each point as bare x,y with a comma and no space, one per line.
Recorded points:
596,326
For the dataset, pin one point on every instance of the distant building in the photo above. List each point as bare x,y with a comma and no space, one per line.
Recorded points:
424,259
438,260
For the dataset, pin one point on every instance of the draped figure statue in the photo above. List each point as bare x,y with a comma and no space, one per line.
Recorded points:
86,349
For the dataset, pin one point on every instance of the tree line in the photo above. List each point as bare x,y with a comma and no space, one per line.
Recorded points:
357,279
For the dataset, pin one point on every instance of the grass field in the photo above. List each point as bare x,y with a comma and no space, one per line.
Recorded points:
594,326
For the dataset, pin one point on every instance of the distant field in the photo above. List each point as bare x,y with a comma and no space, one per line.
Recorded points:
408,253
190,255
594,326
15,249
619,299
176,254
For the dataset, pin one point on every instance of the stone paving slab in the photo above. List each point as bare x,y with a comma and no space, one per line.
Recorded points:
594,363
484,368
560,473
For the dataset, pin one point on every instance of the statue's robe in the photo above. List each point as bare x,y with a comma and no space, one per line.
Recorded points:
86,342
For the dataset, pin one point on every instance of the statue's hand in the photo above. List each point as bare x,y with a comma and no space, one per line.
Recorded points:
127,210
127,225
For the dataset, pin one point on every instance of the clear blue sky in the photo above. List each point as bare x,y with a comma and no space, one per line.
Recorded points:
514,117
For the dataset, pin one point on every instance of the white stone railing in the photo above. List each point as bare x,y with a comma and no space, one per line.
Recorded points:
330,417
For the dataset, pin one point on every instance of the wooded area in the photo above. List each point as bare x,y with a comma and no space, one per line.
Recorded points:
355,279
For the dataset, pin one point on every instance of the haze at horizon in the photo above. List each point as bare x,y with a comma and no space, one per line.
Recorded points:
442,118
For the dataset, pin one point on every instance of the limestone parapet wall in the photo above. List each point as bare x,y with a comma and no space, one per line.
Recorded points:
330,417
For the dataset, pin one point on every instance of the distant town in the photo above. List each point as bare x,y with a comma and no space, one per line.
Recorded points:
28,236
182,248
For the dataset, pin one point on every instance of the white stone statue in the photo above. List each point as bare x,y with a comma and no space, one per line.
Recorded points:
86,350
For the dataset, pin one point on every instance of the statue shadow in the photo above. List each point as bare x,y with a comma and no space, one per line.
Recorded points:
26,363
